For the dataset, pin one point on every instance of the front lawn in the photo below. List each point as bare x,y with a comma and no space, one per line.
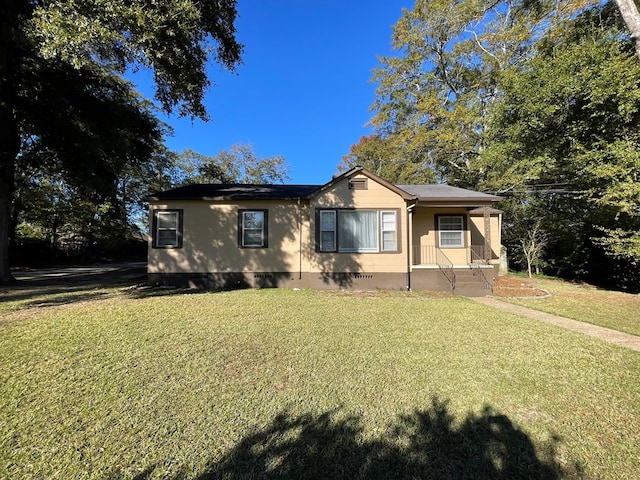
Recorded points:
304,384
616,310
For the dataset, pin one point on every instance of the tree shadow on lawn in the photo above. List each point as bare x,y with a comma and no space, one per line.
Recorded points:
423,445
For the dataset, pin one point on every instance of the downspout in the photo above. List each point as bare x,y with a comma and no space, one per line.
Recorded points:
299,241
410,209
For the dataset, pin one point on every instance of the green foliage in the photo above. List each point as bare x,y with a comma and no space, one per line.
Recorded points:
435,98
536,101
379,155
65,108
239,164
569,122
173,37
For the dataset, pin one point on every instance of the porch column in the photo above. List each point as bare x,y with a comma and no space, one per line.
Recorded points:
487,233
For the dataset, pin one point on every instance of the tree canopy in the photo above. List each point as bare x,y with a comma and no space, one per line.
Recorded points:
64,104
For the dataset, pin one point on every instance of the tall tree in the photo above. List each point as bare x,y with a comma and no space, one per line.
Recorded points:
434,97
570,120
100,39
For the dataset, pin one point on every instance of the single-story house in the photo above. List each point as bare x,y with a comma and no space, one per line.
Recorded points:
356,231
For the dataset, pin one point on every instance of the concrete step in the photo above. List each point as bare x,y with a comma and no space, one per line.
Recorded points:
469,284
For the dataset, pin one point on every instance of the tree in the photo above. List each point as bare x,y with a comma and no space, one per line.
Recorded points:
569,118
434,99
239,164
533,245
99,40
629,12
378,155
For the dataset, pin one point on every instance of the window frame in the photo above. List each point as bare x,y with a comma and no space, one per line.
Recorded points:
265,227
334,230
462,231
395,230
157,212
379,230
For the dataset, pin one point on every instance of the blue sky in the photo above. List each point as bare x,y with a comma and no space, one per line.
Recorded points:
304,88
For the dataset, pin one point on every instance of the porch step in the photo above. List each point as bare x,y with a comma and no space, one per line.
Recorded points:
470,285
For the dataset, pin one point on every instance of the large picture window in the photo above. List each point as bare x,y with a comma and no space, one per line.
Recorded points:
451,231
357,230
252,228
167,228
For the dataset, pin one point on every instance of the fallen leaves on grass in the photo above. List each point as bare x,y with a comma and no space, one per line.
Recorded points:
506,286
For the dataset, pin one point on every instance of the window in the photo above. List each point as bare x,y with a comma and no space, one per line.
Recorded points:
389,232
451,231
328,231
357,231
252,228
167,228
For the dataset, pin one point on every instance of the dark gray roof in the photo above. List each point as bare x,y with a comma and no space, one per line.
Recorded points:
441,192
239,191
234,191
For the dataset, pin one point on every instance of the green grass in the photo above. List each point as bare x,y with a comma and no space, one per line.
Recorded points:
303,384
616,310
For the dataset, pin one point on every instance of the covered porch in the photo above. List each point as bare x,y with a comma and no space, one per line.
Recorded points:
455,248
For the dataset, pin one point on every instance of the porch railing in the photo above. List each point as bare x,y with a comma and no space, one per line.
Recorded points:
477,259
446,267
424,255
432,255
477,254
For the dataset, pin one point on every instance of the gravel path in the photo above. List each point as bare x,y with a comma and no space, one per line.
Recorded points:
606,334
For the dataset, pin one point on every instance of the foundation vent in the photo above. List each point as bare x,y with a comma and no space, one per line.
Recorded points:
363,275
263,275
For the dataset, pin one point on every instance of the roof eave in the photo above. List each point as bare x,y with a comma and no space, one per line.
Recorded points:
223,198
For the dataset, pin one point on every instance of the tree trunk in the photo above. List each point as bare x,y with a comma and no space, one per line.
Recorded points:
631,17
7,165
9,136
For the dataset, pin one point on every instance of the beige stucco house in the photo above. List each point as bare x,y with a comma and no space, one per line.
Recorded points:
356,231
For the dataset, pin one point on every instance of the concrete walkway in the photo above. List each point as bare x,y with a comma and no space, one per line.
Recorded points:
606,334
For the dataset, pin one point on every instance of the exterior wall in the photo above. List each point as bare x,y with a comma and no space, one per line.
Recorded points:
317,280
376,197
210,256
425,232
210,239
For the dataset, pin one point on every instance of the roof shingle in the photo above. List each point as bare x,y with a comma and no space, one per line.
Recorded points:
235,191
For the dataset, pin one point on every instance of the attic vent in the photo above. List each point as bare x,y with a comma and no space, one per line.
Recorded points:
358,184
263,275
362,275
